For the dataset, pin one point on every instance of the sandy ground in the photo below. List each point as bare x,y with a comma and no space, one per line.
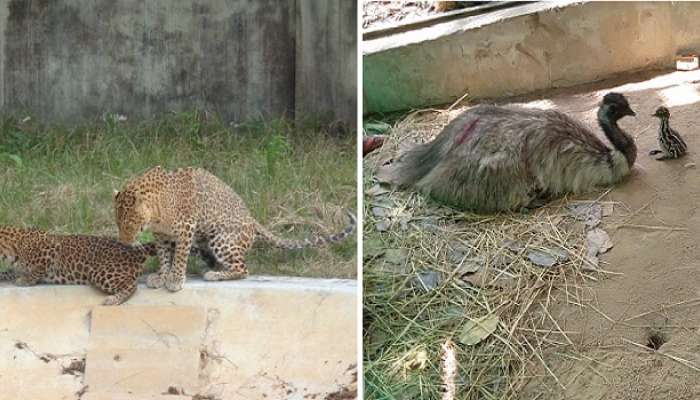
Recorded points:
655,288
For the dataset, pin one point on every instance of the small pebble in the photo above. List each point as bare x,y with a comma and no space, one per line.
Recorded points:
690,165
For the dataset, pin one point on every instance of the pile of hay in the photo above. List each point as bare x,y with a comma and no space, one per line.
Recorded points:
433,275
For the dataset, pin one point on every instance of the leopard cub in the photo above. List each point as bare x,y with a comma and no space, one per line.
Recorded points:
37,256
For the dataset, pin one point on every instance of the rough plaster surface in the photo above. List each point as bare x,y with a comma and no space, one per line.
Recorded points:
326,78
275,337
524,49
69,60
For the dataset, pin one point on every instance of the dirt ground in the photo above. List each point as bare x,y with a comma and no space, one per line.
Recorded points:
652,296
377,14
381,14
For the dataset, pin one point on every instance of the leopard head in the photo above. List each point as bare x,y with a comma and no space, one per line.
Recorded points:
134,205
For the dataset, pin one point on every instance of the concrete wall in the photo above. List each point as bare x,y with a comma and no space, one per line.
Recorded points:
258,338
524,49
75,59
327,58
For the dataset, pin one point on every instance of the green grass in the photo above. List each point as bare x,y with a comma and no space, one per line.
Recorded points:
295,178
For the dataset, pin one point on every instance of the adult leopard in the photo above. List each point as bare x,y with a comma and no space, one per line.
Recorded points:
191,206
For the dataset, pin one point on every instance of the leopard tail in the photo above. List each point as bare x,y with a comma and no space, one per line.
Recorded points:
317,241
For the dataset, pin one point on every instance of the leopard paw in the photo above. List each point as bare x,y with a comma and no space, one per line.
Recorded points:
24,282
111,301
212,276
154,281
174,282
225,275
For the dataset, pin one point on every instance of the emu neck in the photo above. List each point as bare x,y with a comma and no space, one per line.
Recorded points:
619,139
665,127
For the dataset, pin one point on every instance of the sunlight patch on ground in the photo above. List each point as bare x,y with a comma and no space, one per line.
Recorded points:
544,104
659,82
679,95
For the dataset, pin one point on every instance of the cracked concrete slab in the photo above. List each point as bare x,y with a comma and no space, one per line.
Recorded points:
284,338
143,350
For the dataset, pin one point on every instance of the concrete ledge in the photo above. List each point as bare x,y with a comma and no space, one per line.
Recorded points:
524,49
283,338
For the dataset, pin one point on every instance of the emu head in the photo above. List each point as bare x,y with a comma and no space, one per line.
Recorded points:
662,112
615,106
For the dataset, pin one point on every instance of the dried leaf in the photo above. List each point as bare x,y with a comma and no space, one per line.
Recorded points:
376,190
547,258
429,224
380,212
383,202
457,255
396,256
475,331
383,225
478,279
428,280
372,248
512,245
597,242
589,213
471,265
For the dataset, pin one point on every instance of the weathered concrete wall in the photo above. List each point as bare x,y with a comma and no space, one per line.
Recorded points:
75,59
257,338
524,49
327,58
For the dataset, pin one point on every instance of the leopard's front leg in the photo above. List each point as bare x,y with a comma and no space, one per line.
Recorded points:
120,296
175,278
165,246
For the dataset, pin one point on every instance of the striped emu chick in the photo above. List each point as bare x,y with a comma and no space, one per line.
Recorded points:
671,142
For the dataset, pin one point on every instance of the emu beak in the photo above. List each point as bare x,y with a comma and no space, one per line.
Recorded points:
632,113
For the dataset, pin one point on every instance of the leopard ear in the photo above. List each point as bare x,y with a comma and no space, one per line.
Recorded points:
115,193
154,170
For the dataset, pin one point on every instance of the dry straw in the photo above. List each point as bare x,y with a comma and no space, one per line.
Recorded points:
430,271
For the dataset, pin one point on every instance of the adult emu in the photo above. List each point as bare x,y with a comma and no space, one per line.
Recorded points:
494,158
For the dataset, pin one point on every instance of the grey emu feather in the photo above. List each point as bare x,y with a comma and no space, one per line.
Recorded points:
494,158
